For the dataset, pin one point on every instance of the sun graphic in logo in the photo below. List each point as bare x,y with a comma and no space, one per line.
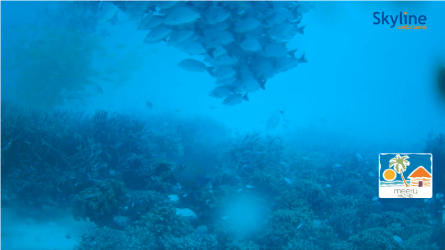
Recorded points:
389,175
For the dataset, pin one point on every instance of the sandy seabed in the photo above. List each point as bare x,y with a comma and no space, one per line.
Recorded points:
45,231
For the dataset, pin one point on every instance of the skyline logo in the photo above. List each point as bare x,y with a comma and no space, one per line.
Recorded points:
401,21
417,182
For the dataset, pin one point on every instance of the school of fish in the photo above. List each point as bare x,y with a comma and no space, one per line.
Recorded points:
243,44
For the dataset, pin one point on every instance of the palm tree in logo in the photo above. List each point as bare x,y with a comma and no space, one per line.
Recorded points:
400,163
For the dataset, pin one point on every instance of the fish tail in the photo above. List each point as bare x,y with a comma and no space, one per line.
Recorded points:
210,52
262,83
292,52
245,97
301,30
210,70
302,59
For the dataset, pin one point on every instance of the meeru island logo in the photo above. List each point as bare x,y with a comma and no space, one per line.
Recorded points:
417,182
407,22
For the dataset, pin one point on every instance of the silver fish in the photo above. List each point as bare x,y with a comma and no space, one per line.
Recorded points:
222,37
278,16
194,65
216,14
166,4
248,84
275,50
179,36
157,34
150,21
221,91
224,72
284,64
192,47
223,60
181,15
250,44
226,81
107,12
234,99
218,50
247,24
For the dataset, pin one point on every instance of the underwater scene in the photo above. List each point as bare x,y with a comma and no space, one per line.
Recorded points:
211,125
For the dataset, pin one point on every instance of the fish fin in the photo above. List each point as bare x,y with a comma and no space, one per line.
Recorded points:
301,30
296,21
292,52
262,83
210,52
263,47
198,31
210,70
245,97
229,53
295,10
114,20
265,23
302,59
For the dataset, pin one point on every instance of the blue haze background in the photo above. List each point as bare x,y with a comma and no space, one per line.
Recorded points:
366,88
363,81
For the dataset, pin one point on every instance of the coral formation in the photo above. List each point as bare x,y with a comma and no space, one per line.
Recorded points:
163,221
242,245
286,225
191,241
157,189
100,203
374,238
102,238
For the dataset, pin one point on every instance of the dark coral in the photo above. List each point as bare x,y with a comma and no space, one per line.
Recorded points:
163,221
375,239
101,202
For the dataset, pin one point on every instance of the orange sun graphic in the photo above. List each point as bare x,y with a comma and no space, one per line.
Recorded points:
389,175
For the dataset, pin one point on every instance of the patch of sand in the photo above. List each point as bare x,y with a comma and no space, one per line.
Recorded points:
44,232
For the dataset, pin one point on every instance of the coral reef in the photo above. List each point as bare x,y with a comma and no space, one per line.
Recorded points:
139,203
100,203
344,216
286,225
138,237
148,184
191,241
242,245
373,239
163,221
102,238
139,174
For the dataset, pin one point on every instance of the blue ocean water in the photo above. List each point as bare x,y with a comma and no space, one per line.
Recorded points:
218,125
